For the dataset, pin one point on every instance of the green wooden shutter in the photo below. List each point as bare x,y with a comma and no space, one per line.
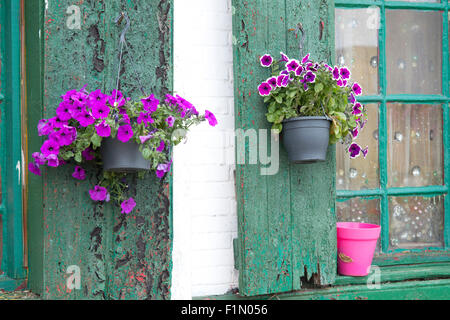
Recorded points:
120,256
286,222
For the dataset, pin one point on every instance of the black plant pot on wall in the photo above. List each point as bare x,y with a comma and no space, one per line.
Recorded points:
122,157
306,138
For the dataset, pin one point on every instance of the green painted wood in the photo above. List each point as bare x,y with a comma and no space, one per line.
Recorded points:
11,148
120,257
426,271
438,289
286,222
34,24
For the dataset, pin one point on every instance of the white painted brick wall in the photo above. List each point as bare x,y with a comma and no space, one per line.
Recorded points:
204,203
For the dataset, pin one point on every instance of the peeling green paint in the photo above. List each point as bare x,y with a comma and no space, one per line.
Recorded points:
286,222
120,256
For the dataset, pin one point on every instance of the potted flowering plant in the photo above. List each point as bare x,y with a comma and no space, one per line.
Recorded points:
120,134
313,105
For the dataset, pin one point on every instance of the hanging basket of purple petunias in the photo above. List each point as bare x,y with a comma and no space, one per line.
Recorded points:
120,134
313,105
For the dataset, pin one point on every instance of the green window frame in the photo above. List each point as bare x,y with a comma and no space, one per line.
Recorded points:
383,192
11,161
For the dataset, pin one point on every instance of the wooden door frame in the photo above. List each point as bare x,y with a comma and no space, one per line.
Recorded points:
11,153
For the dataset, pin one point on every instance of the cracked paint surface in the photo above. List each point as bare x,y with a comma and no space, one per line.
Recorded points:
120,256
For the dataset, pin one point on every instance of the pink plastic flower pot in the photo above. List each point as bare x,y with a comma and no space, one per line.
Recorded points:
356,244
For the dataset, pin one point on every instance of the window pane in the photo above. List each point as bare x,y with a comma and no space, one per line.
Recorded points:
414,52
416,222
415,152
360,210
360,173
357,45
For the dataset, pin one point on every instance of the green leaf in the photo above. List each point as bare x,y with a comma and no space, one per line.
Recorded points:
318,87
96,140
78,157
279,99
147,153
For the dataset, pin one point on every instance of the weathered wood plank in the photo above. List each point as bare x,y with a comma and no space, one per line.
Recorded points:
121,257
286,220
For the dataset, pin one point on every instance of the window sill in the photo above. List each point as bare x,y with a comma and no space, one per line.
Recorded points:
420,281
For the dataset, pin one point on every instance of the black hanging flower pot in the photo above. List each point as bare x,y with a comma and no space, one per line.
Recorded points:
122,157
306,138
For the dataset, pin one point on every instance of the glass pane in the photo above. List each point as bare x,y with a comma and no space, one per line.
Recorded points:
416,222
415,152
360,210
360,173
414,52
357,45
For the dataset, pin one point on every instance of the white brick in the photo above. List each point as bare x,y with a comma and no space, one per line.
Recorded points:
212,258
205,241
205,224
212,207
217,275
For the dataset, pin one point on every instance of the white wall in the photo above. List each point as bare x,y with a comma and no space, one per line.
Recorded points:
204,204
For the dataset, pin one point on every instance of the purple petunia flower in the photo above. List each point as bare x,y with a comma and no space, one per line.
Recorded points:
264,89
150,103
365,151
284,57
161,147
63,111
170,121
357,89
44,127
345,73
128,205
340,83
85,119
34,168
39,158
162,169
355,133
116,99
50,147
362,123
272,81
125,133
310,77
266,60
100,111
305,59
53,161
292,65
103,129
285,81
351,98
280,79
88,154
354,150
144,139
299,71
357,109
211,118
145,117
98,193
97,97
79,173
65,136
56,122
336,74
171,100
